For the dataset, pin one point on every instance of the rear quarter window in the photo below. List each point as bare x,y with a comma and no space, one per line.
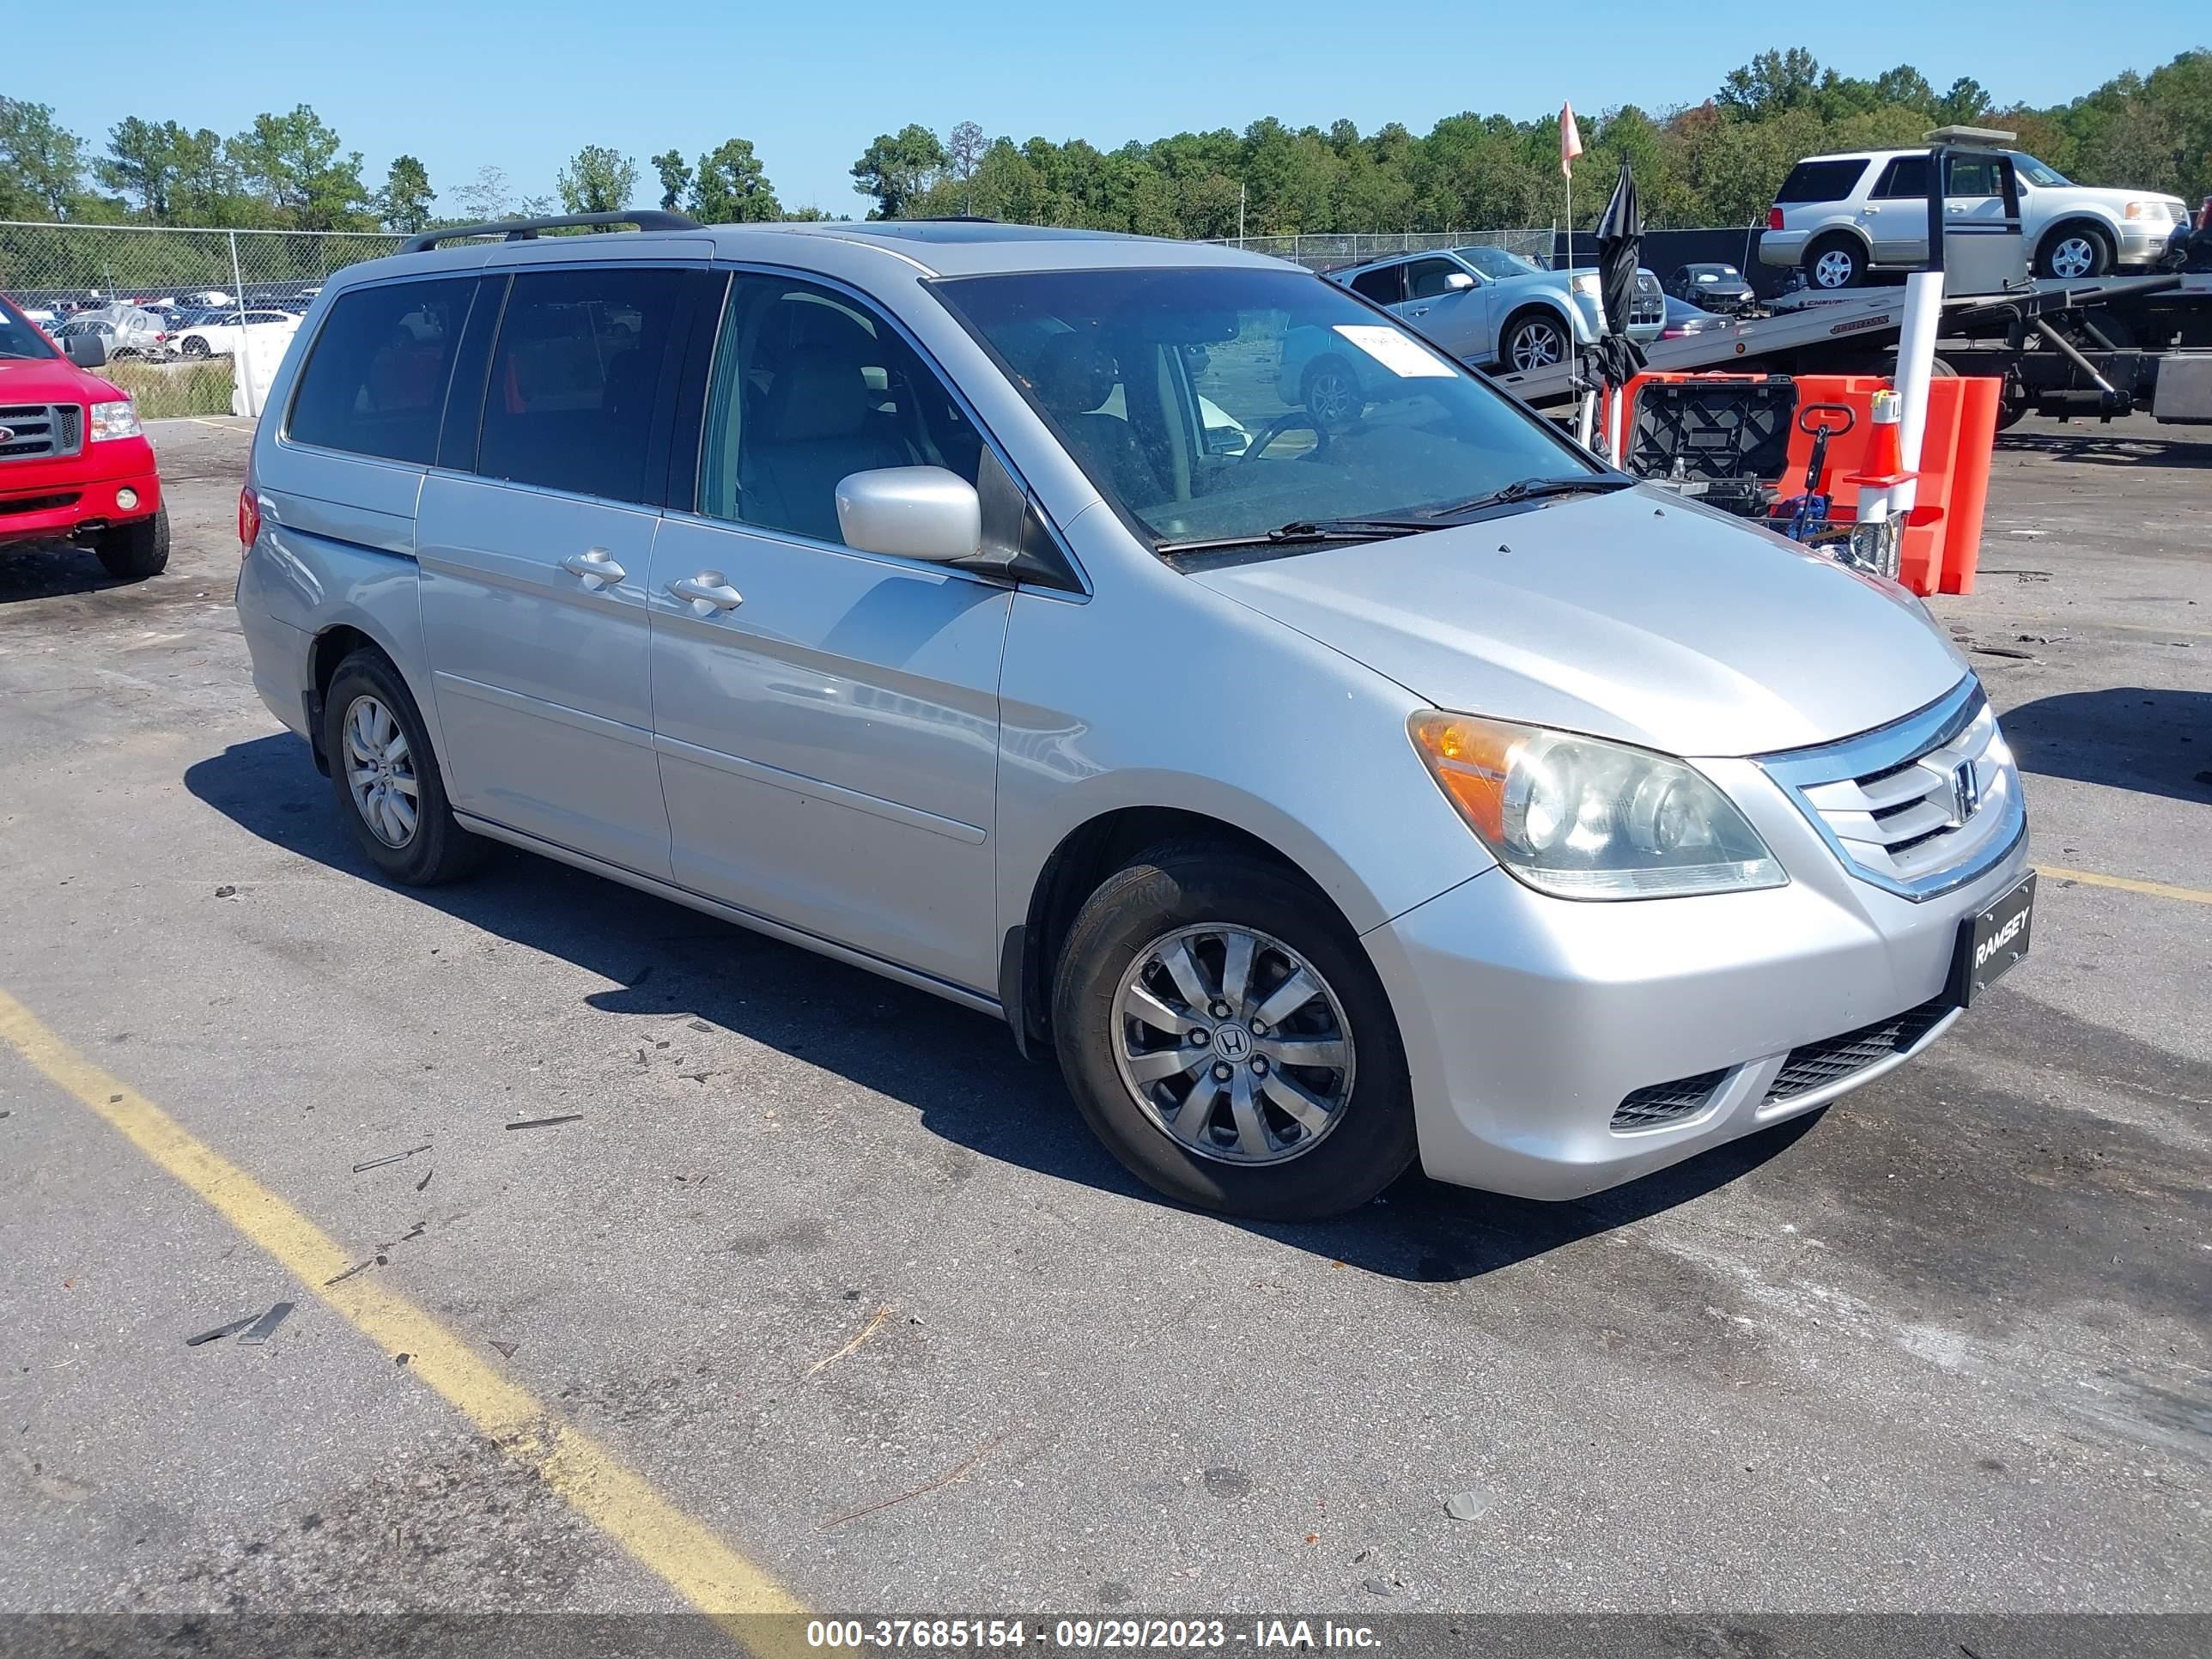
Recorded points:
1820,181
374,383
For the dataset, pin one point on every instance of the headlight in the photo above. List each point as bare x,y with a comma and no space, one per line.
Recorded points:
116,420
2134,210
1584,281
1581,818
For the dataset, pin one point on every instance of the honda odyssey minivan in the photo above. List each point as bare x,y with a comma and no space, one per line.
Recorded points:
1336,794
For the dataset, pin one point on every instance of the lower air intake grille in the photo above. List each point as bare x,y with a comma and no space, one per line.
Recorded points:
1817,1065
1666,1102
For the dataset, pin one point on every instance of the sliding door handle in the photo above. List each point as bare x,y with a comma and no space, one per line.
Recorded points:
597,567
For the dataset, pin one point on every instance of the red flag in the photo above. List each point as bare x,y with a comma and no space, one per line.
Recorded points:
1571,140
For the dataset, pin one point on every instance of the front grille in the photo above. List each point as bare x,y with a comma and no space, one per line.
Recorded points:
1817,1065
39,431
36,503
1649,303
1918,807
1666,1102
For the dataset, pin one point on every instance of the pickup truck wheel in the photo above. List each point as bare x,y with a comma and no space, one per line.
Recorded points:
1835,262
1533,339
131,552
389,788
1224,1034
2074,254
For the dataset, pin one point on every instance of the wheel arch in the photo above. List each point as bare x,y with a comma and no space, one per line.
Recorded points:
1552,306
1838,233
1082,858
2081,218
331,645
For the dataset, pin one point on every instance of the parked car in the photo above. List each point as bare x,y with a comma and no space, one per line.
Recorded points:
1712,286
1319,805
1684,319
1840,216
75,463
218,332
1490,306
124,330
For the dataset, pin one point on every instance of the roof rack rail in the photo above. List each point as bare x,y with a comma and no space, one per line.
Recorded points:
525,230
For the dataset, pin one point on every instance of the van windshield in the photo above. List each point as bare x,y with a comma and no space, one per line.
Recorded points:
1223,404
18,338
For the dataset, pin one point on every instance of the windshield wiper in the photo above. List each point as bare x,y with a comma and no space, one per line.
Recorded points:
1308,531
1529,489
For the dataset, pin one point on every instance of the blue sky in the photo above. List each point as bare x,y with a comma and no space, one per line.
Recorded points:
524,86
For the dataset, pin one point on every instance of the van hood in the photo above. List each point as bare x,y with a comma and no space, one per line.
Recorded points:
1634,615
51,380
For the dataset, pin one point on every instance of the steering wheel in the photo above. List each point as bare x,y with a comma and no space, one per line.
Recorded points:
1288,421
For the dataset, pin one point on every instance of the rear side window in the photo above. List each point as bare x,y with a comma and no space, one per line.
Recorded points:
575,380
1904,179
1385,286
1820,181
375,382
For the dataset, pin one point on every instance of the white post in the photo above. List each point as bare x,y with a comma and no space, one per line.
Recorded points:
241,360
1916,367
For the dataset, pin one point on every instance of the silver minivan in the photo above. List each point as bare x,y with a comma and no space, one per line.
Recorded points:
973,603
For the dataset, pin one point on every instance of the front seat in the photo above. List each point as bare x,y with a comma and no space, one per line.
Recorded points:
815,425
1075,374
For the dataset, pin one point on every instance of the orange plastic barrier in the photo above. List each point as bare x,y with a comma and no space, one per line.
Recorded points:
1942,546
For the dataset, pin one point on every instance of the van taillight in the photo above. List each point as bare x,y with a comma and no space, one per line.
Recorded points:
1774,217
249,518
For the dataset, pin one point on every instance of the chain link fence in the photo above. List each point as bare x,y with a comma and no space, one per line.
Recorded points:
1321,250
173,305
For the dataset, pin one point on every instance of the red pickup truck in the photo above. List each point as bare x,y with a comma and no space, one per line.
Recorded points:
75,464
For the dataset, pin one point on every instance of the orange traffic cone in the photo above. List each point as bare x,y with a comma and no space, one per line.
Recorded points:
1883,467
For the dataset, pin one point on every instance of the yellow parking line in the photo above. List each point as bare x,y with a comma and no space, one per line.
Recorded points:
2155,888
592,1480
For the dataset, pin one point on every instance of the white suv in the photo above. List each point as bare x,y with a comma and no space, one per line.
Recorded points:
1840,216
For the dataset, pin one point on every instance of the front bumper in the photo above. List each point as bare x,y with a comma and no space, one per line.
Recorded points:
50,501
1528,1020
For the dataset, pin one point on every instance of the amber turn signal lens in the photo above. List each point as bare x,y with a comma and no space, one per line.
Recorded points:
1469,759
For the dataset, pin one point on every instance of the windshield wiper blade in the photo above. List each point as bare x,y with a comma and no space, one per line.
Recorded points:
1529,489
1309,530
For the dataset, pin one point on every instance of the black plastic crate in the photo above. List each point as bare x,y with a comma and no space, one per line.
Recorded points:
1713,428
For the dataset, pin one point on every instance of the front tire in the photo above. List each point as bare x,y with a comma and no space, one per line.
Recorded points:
389,788
1224,1034
132,552
2075,254
1835,263
1533,339
193,346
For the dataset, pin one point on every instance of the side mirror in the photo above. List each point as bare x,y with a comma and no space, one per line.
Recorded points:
912,513
86,350
1458,282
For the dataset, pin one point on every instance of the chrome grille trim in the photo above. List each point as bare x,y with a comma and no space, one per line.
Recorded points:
1888,802
40,432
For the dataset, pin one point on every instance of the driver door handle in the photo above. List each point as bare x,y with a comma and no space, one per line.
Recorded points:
706,592
597,567
1418,311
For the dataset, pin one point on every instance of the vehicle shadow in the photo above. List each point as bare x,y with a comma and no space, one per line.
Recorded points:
957,1069
2129,737
40,570
2101,446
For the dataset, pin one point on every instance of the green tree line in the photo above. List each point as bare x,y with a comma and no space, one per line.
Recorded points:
1716,162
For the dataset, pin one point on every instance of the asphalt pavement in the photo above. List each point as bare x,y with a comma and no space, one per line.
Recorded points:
843,1287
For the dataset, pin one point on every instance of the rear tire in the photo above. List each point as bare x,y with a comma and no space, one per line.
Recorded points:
1835,262
389,788
1353,1064
132,552
1332,392
193,346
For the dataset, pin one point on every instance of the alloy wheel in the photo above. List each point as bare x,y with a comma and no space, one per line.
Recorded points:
2075,257
380,772
1535,345
1233,1044
1834,269
1331,396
